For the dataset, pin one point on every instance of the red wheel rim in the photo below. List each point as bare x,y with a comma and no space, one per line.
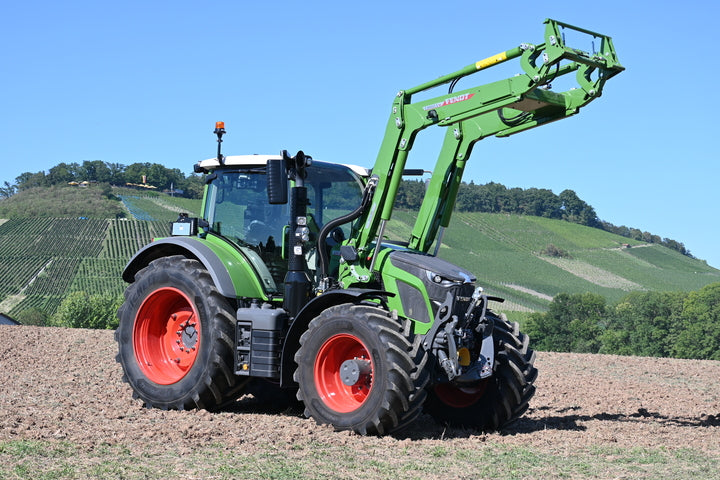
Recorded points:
460,397
333,392
166,335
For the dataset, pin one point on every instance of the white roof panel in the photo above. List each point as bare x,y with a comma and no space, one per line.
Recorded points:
250,160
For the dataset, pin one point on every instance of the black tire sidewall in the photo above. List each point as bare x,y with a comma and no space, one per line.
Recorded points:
159,274
325,328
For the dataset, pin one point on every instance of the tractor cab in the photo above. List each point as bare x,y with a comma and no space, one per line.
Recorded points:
236,208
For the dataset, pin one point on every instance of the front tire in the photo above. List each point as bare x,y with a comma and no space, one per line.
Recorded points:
176,337
497,401
355,371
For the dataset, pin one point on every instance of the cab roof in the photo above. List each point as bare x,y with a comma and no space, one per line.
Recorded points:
250,160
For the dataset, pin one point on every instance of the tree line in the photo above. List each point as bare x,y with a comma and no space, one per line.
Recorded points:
490,197
655,324
97,171
540,202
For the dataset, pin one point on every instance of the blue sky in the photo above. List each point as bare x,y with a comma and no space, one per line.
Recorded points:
145,81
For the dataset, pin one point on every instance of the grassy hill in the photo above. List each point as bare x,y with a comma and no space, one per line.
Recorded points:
43,259
504,251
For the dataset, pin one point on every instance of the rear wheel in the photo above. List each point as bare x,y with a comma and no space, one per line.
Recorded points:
175,337
497,401
355,371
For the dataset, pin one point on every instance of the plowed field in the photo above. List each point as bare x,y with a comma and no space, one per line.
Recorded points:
65,413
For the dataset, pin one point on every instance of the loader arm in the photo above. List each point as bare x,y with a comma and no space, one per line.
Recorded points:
501,108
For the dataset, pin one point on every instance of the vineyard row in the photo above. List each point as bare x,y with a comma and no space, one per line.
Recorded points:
44,259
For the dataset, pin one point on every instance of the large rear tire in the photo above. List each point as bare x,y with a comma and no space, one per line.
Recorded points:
176,337
356,371
497,401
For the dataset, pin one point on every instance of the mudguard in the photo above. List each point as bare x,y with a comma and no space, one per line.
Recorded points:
230,271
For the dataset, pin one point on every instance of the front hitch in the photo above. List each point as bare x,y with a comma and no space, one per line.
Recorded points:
452,348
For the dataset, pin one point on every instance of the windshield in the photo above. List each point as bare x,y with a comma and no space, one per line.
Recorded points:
237,208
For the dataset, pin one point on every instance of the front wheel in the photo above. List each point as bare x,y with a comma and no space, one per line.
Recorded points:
175,337
355,371
495,402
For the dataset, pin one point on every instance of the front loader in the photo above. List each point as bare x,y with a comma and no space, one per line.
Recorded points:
287,281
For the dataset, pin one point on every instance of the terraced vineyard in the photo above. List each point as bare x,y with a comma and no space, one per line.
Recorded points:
504,252
125,237
44,259
154,208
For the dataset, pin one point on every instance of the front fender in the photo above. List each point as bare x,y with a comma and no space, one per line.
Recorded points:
230,271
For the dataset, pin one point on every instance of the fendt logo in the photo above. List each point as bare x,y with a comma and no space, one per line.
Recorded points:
449,101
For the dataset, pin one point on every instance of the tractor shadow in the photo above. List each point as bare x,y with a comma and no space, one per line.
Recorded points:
560,420
642,415
264,398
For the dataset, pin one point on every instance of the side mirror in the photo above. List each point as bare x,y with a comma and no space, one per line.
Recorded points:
277,182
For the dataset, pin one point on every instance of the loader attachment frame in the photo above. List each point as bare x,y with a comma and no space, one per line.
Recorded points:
501,108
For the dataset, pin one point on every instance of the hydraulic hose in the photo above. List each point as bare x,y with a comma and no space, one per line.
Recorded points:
328,227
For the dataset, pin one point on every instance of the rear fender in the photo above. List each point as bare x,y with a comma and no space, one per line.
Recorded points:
231,273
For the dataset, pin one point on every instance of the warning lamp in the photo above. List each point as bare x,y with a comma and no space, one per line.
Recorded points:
219,131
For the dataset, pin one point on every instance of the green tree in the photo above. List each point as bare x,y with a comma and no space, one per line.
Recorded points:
63,173
81,310
577,211
117,173
7,190
135,171
95,171
410,194
193,186
573,323
28,180
644,323
468,199
32,316
540,202
700,332
509,201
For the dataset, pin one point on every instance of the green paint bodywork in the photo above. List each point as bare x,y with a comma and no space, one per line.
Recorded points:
244,277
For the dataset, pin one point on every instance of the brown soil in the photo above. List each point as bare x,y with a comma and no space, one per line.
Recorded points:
65,384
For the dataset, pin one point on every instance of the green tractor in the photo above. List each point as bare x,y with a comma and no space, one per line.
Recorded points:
287,279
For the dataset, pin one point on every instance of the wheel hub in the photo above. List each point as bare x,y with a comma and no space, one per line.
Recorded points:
166,335
352,370
343,373
188,336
